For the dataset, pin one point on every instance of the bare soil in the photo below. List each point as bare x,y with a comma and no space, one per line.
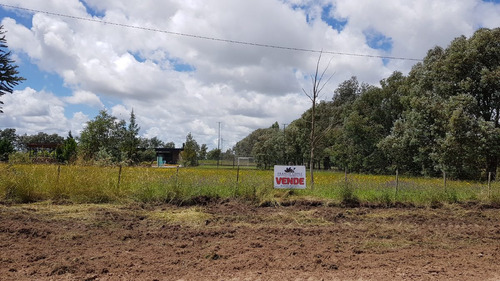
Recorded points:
238,241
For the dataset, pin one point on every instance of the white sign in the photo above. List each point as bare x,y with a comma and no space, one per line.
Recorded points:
290,177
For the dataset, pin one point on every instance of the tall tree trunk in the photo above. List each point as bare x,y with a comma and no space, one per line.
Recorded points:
492,165
317,87
312,140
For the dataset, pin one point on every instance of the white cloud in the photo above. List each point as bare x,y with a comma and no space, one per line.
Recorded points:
31,112
244,87
84,97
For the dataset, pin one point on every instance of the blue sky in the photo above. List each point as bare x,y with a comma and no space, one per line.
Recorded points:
177,84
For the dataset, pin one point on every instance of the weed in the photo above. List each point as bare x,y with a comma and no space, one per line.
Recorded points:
349,199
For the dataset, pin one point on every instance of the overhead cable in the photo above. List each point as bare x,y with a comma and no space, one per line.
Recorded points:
208,37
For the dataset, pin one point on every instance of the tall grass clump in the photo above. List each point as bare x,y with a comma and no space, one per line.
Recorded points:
19,185
348,196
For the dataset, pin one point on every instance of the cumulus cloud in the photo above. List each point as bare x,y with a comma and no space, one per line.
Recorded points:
86,98
31,112
180,84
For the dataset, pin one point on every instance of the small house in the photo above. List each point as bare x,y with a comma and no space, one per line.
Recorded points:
168,156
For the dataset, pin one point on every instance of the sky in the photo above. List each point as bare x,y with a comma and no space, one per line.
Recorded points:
157,59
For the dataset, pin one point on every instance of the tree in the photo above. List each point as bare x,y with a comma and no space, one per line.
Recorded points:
317,86
152,143
268,150
8,71
325,119
40,138
67,151
245,146
228,155
7,143
368,114
131,140
451,104
472,66
296,139
214,154
105,133
443,116
203,152
170,144
190,153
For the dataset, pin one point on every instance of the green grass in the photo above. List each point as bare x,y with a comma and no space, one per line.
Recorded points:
90,184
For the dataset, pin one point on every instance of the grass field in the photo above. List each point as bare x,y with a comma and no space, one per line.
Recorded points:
112,223
90,184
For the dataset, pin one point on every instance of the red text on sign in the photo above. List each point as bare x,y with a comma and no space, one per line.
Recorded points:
299,181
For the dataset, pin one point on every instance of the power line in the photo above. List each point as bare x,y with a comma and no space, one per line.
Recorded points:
254,44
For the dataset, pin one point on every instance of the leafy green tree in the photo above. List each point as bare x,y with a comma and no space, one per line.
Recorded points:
443,116
6,148
104,133
296,142
362,115
464,149
131,142
8,70
423,126
40,138
202,155
7,143
228,155
67,152
245,146
152,143
190,153
347,92
214,154
146,149
472,66
170,144
70,146
439,96
325,120
384,105
269,150
399,149
356,145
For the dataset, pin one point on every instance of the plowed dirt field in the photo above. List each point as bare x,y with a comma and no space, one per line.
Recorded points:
238,241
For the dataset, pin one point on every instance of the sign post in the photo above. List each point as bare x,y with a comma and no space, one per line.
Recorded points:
293,177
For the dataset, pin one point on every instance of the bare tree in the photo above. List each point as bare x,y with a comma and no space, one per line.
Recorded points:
317,86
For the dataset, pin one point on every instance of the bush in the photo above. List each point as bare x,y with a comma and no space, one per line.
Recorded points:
349,199
19,158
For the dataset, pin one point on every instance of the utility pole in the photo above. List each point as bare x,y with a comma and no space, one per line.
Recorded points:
284,144
218,146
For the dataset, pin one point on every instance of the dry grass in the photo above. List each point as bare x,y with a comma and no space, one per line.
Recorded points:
185,186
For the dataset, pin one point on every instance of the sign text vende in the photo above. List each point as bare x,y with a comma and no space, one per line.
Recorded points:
290,177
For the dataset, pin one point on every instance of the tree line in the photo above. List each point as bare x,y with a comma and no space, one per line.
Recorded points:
105,140
444,116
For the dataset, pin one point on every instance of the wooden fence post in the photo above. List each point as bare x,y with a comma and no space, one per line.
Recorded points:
119,176
58,174
237,180
489,185
177,178
397,181
238,174
444,179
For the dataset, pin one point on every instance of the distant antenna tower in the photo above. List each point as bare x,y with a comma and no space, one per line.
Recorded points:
218,146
